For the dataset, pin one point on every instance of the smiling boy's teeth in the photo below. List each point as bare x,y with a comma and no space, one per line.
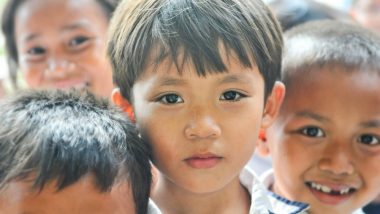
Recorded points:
344,191
327,189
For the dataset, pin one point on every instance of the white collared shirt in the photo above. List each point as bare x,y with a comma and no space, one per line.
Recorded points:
259,200
283,205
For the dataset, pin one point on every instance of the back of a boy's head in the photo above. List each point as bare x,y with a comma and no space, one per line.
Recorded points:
320,44
62,136
145,32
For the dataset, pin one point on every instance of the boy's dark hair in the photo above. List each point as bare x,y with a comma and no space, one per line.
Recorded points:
63,136
8,29
318,44
145,32
291,13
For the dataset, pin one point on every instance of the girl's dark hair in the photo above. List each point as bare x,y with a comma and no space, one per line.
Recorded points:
8,29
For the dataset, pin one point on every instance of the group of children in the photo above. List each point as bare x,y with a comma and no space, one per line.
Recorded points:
203,83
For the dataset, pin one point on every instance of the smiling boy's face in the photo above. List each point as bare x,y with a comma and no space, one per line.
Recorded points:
68,53
325,143
80,197
202,130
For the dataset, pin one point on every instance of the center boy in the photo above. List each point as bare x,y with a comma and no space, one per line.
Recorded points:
199,78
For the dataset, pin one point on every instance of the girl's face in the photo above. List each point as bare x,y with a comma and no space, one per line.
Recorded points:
62,44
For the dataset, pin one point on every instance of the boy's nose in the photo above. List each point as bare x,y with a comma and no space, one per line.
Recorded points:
337,161
57,67
202,126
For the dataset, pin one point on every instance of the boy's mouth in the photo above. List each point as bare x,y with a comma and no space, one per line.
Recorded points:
203,161
330,195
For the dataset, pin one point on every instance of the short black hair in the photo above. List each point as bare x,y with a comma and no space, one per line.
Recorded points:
66,135
8,29
318,44
194,29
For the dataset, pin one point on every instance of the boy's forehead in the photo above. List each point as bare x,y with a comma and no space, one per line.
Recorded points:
321,88
185,67
80,197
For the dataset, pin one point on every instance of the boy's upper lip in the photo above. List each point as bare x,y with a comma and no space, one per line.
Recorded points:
203,155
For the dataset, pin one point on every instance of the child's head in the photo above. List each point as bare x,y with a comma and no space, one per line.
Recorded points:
198,74
325,143
367,13
69,152
59,43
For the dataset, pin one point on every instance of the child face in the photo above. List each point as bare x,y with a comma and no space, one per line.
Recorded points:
80,197
325,143
202,129
62,44
367,13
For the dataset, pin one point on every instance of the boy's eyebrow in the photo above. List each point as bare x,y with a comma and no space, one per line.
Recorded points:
312,116
76,25
30,37
234,78
167,81
371,124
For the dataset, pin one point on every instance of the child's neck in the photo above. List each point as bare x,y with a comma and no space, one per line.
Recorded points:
170,198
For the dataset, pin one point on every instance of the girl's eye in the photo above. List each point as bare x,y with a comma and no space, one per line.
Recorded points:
312,132
36,51
77,41
368,139
170,99
232,96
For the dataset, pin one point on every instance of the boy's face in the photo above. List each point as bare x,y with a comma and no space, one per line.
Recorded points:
62,44
325,143
202,130
367,13
80,197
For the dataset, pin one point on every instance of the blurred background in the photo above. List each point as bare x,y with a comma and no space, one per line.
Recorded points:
342,5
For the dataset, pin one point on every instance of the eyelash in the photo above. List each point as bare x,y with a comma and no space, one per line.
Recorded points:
168,98
362,137
318,134
237,94
36,51
164,99
81,39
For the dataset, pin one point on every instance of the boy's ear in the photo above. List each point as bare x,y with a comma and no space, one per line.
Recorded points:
123,103
273,104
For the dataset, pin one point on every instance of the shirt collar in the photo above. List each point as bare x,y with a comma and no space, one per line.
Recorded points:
279,203
259,200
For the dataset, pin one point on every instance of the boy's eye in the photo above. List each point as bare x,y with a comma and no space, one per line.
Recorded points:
312,132
77,41
232,96
170,99
368,139
36,51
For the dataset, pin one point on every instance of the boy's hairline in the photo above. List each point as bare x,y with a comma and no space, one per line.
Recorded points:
155,61
31,177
